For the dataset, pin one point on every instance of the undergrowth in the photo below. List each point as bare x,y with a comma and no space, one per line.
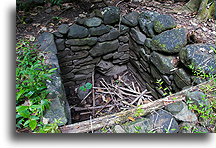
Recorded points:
31,89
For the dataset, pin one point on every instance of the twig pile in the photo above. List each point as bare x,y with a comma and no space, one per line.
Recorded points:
115,97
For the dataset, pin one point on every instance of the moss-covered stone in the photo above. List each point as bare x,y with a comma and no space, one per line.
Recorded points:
171,41
163,23
200,56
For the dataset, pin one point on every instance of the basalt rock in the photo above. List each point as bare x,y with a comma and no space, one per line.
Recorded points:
104,48
111,15
77,31
163,23
171,41
200,57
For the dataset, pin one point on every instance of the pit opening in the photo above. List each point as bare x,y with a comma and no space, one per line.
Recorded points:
111,63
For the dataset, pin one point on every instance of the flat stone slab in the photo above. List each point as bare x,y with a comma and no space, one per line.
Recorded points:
81,42
104,48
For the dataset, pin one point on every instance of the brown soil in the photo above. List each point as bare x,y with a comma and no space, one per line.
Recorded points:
47,18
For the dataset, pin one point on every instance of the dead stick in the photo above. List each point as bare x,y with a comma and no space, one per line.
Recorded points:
107,86
127,85
90,108
85,97
93,94
97,123
109,120
141,95
103,107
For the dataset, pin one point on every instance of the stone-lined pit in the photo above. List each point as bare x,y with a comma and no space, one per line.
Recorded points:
149,45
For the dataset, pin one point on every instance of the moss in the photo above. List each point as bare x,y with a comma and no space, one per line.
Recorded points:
158,26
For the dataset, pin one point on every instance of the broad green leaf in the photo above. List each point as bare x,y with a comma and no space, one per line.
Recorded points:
23,111
88,85
82,88
33,124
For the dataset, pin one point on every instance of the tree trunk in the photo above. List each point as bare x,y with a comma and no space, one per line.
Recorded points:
205,8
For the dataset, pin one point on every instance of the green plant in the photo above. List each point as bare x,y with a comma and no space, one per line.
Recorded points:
212,48
139,112
56,18
86,86
138,129
203,110
31,89
201,74
168,130
55,2
163,88
50,128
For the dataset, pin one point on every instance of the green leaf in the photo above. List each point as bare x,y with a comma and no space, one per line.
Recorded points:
19,94
82,88
88,85
33,124
23,111
51,70
26,123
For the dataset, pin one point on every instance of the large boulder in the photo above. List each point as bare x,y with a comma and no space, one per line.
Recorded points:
145,21
103,48
174,108
112,35
200,57
111,15
163,23
186,115
77,31
171,41
63,29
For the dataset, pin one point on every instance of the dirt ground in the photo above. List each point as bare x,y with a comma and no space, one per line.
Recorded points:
47,18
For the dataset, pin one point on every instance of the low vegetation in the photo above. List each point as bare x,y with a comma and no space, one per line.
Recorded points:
31,90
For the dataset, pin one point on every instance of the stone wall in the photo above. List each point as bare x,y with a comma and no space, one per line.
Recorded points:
149,44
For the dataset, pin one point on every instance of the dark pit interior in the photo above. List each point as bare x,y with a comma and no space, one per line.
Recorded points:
110,63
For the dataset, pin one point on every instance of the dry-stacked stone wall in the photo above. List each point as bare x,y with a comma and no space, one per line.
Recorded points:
149,44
